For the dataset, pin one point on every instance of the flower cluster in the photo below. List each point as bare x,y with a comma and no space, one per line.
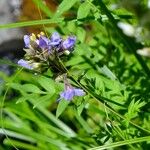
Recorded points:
44,53
41,51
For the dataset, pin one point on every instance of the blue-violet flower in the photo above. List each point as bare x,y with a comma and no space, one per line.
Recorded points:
70,92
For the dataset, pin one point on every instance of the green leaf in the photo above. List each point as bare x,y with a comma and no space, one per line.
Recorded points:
47,83
83,123
83,10
80,108
31,88
26,96
42,99
61,107
15,86
16,135
26,88
80,104
106,71
21,145
133,109
21,99
31,23
64,6
81,34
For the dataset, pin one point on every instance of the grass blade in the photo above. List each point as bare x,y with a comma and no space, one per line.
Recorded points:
31,23
121,143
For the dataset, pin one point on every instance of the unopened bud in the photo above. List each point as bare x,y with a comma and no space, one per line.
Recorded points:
66,52
36,65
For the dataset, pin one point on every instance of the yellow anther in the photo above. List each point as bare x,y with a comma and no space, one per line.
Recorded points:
33,37
38,35
42,33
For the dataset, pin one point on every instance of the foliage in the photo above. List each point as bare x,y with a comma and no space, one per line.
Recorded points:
114,113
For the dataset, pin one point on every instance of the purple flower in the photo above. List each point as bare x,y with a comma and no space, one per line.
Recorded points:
69,42
44,43
70,92
27,40
24,64
55,39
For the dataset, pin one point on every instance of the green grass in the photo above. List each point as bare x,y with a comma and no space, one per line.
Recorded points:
114,113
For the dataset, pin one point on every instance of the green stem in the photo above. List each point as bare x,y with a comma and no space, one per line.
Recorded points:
130,44
121,143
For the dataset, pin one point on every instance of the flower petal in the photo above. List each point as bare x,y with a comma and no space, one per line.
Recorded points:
27,40
55,39
69,42
79,92
24,64
43,42
68,94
